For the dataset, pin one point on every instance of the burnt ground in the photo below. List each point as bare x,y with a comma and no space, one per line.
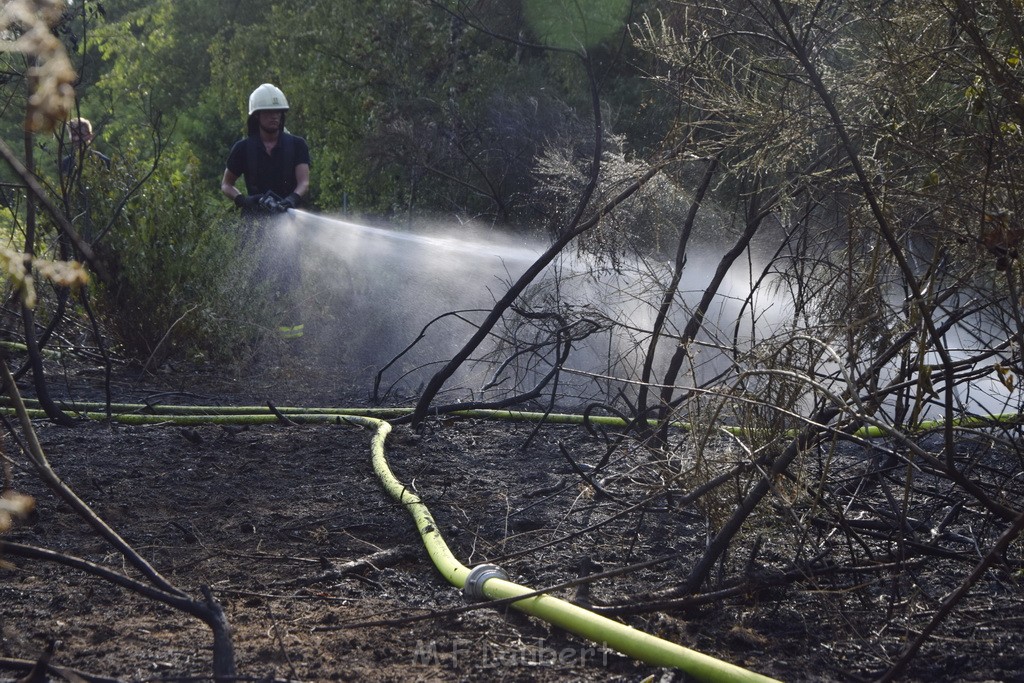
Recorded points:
268,517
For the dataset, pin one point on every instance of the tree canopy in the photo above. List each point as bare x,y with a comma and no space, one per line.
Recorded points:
407,106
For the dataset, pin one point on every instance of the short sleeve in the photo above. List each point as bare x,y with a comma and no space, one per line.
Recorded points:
236,158
302,152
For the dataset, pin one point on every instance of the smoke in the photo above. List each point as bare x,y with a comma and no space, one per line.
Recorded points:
371,292
400,303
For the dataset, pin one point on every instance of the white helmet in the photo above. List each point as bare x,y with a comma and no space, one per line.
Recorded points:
266,97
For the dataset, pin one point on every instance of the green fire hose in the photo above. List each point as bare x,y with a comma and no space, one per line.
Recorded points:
482,582
491,582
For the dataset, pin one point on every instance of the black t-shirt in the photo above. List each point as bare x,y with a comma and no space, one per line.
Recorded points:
270,171
68,163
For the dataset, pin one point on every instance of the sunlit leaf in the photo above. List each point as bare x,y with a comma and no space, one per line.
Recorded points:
1005,376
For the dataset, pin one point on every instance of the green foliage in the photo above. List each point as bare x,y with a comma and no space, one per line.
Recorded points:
179,282
406,108
359,70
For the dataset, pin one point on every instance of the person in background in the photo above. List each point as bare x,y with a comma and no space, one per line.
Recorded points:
275,165
81,137
79,180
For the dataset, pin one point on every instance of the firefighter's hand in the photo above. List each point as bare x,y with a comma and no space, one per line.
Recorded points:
247,202
290,202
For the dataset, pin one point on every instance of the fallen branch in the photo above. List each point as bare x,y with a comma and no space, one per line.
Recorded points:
492,604
598,489
159,588
381,558
1004,541
281,416
38,458
67,673
145,366
208,611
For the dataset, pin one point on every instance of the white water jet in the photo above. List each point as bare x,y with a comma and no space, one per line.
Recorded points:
390,284
372,291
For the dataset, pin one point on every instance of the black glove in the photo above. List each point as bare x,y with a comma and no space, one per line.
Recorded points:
290,202
247,202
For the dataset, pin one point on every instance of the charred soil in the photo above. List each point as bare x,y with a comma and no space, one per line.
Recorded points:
323,577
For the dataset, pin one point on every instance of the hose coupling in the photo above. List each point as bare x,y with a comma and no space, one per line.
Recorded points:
474,586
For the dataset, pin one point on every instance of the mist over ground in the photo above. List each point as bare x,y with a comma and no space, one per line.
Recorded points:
373,291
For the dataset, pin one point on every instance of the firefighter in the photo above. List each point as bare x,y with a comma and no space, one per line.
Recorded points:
81,138
78,176
275,164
